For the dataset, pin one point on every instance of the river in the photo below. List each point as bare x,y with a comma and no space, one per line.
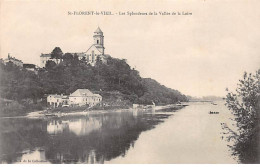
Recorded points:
188,135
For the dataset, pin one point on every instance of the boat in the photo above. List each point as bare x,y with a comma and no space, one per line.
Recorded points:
213,112
50,115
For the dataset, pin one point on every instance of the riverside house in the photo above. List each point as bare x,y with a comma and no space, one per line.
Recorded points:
80,97
55,100
84,97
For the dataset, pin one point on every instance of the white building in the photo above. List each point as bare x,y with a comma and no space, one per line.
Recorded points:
91,54
45,57
15,61
97,49
55,100
84,97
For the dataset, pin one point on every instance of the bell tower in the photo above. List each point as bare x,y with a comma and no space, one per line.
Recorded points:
99,40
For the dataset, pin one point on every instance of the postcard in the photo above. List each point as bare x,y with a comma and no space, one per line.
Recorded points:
129,82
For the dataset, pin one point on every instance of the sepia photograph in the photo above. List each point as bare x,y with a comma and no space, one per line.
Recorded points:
129,82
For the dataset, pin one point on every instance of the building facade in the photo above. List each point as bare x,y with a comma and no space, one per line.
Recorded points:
96,50
84,97
15,61
55,100
80,97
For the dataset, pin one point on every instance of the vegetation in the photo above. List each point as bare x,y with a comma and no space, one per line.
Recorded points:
159,94
116,76
245,106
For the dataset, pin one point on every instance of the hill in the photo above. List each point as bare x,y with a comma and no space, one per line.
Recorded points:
27,87
160,94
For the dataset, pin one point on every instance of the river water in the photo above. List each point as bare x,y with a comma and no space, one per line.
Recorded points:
188,135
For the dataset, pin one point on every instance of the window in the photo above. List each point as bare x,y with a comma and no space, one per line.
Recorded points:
97,41
93,56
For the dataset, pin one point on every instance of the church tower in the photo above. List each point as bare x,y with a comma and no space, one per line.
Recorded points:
99,40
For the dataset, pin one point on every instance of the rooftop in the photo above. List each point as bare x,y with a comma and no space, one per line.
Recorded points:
98,30
82,92
13,58
45,55
28,65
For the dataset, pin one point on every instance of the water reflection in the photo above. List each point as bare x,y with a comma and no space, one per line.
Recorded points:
32,156
82,139
78,126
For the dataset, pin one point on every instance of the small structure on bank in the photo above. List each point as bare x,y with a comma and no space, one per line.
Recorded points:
144,106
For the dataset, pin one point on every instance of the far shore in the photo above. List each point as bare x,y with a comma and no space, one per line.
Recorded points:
44,114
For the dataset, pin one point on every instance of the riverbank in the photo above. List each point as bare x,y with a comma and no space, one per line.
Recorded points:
83,111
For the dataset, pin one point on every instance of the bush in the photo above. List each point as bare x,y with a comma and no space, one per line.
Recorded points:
245,106
12,109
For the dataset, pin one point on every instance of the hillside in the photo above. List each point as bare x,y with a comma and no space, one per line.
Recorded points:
27,87
159,93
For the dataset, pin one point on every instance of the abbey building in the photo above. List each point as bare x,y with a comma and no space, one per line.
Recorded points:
90,55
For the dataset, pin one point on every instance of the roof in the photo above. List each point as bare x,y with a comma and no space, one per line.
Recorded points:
28,66
97,95
79,54
95,47
45,55
82,92
59,96
65,97
55,95
98,30
13,58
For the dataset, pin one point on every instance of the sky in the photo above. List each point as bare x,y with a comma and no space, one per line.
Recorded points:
200,54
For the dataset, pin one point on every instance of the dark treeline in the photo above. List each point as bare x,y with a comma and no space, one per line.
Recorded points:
71,74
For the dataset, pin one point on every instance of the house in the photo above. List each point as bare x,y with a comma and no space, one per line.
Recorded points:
80,97
29,67
15,61
55,100
91,54
84,97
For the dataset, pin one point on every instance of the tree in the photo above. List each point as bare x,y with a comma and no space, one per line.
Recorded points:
245,106
50,65
56,54
67,58
75,60
98,61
